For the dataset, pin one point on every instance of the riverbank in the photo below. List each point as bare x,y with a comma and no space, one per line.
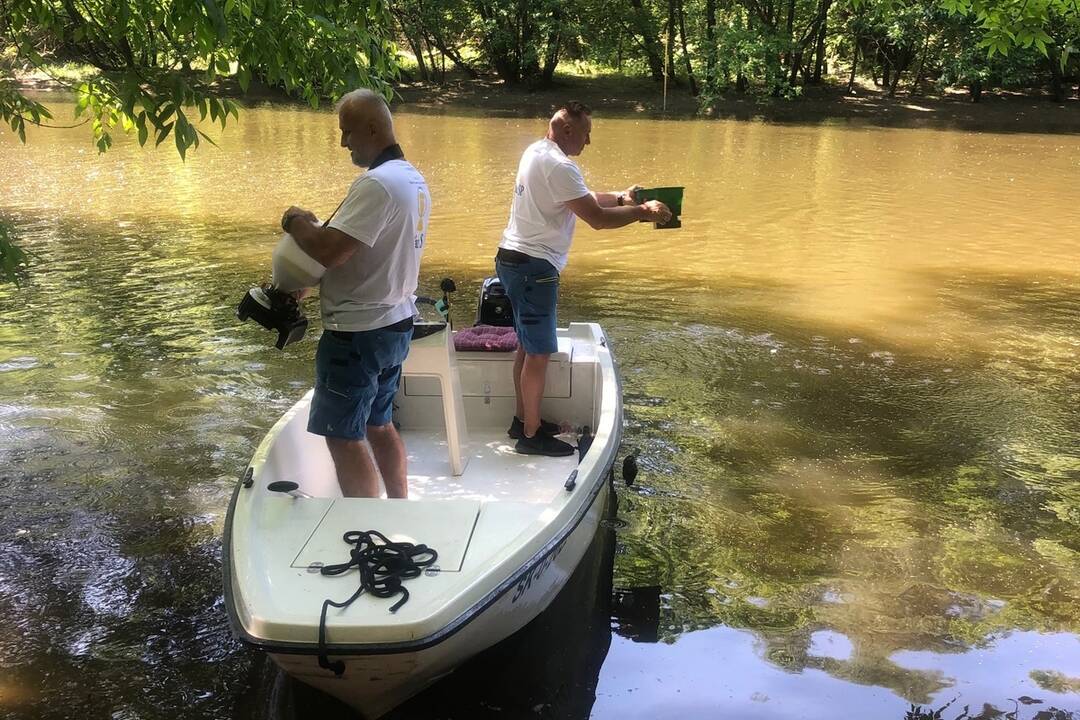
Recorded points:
620,96
1031,111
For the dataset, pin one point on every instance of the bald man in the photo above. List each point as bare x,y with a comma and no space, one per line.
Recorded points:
371,247
548,195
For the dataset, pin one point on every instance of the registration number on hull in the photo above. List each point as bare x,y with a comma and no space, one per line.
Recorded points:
534,575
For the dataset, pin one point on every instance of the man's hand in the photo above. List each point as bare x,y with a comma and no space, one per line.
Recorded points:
654,211
630,193
295,212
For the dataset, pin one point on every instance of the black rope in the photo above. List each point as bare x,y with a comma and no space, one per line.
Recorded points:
383,566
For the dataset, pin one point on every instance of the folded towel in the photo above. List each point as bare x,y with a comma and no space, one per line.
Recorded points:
485,338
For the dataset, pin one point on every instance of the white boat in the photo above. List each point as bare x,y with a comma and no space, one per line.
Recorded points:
509,529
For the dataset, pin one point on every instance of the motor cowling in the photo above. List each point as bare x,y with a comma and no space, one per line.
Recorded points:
493,307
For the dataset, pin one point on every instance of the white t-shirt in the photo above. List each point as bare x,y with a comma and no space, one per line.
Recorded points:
387,210
540,224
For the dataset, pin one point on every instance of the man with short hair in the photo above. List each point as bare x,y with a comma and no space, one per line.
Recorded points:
549,194
371,248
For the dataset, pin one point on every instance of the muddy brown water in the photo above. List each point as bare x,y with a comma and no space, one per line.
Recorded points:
851,377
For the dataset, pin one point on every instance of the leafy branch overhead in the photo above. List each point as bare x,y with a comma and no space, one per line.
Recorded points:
13,260
164,69
163,63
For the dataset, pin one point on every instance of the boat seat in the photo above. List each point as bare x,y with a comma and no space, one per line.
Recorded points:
563,354
433,355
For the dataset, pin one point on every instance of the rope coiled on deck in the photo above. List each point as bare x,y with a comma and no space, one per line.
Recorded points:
383,565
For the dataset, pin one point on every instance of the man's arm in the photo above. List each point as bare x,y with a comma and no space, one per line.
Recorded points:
616,199
328,246
599,217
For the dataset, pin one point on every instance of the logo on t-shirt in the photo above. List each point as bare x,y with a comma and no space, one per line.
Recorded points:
519,189
421,207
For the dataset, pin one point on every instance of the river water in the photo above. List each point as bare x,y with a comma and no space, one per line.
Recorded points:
852,378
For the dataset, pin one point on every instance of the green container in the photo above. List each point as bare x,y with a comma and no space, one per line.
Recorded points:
670,196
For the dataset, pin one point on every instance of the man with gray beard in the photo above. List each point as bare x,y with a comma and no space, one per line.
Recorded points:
371,248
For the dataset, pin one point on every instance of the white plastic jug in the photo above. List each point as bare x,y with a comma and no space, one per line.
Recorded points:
294,269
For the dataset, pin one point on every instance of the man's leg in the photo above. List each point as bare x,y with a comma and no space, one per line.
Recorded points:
533,379
389,453
357,474
519,365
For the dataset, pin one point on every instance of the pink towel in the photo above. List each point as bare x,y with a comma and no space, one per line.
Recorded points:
485,338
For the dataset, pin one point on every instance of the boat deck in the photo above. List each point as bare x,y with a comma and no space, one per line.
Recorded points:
494,472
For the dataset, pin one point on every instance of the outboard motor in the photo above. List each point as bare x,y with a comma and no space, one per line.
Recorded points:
274,310
494,306
274,306
421,329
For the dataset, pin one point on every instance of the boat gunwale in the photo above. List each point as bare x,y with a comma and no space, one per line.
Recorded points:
606,474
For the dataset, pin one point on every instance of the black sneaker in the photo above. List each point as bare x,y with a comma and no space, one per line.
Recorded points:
541,444
517,428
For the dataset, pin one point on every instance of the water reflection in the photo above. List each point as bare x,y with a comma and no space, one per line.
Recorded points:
709,673
851,378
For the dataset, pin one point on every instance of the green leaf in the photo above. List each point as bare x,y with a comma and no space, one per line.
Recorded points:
207,138
162,134
181,146
143,132
163,117
244,78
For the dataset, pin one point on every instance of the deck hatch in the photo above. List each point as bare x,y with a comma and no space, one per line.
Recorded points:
445,525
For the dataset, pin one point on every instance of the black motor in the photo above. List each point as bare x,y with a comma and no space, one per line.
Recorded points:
274,310
494,305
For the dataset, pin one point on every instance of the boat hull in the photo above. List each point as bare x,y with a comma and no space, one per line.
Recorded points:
374,684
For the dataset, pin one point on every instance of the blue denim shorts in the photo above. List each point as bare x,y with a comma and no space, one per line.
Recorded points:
356,378
533,288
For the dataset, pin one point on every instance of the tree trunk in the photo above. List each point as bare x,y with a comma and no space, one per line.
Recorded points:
414,45
710,41
431,60
686,53
529,67
669,51
410,37
435,38
819,63
643,24
976,90
854,65
922,66
898,71
500,53
790,19
1057,81
895,82
551,56
786,56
